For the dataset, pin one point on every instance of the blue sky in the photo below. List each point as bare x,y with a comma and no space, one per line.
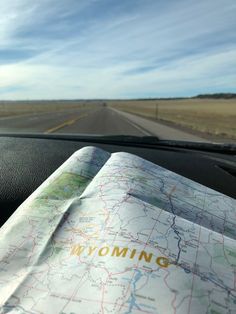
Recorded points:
54,49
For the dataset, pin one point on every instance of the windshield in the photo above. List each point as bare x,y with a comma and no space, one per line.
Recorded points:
98,67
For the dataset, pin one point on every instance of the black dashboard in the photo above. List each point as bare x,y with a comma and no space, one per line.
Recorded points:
26,161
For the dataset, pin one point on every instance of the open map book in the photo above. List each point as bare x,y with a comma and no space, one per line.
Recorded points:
113,233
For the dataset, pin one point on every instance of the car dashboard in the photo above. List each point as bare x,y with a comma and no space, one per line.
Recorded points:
27,160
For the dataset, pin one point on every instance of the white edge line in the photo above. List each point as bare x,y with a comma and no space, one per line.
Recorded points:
132,123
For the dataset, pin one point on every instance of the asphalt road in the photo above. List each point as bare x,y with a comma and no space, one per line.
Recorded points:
100,121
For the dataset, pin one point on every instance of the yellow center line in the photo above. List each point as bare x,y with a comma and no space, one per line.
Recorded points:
66,123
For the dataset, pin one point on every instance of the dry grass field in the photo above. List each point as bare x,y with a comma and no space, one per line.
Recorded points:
11,108
210,116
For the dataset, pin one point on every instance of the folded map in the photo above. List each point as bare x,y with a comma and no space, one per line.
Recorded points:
114,233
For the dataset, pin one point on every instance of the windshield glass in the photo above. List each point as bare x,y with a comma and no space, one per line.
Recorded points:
101,67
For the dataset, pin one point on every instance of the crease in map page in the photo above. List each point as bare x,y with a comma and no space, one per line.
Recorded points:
117,234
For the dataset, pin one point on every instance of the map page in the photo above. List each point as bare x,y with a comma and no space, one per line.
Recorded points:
114,233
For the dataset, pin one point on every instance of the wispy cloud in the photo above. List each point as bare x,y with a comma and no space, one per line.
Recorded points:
109,49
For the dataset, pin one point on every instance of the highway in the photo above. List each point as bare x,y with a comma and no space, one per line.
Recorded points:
99,121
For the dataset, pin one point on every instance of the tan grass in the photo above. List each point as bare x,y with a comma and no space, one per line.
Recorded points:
12,108
216,117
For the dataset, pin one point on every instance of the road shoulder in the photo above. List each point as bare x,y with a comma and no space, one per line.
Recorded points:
162,131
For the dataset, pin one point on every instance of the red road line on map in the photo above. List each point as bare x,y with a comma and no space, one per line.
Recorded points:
76,289
84,299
